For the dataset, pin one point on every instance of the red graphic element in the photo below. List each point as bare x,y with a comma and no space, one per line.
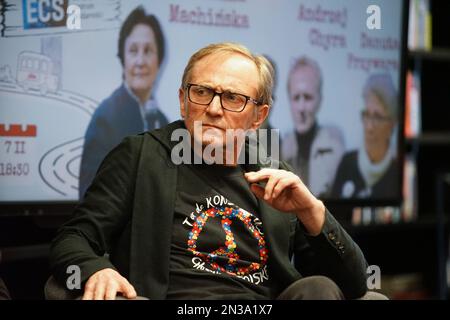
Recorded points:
15,130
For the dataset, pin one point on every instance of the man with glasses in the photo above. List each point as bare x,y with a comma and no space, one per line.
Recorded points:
225,230
370,171
313,149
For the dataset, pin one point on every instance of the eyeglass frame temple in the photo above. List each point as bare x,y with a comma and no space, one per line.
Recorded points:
189,85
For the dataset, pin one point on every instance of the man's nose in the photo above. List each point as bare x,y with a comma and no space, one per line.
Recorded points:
301,103
215,107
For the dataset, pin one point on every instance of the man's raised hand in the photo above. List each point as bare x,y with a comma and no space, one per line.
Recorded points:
286,192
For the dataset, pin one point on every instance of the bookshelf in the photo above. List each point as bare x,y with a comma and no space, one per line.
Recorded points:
421,247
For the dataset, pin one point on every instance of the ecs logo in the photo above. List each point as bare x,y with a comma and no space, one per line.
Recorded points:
50,13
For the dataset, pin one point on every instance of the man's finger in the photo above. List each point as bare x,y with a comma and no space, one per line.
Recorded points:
111,291
128,290
256,176
99,293
257,190
269,187
282,185
89,291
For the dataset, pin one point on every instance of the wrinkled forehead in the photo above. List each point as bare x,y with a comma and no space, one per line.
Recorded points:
305,72
223,57
228,67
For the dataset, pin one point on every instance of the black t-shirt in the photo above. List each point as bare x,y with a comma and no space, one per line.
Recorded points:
218,249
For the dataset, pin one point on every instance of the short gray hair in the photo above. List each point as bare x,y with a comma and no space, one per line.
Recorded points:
382,86
302,62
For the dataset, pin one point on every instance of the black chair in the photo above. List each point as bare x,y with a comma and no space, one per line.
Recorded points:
54,291
4,293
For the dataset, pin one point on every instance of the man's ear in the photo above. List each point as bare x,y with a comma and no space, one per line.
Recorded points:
182,106
262,112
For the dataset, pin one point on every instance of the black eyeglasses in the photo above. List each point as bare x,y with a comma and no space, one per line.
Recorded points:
234,102
375,118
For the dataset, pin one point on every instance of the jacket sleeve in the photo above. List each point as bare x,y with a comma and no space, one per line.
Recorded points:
334,254
87,238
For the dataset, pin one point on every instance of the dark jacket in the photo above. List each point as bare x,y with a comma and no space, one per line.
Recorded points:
128,213
116,117
348,173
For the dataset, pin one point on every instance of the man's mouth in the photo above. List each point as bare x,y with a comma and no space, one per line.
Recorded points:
212,126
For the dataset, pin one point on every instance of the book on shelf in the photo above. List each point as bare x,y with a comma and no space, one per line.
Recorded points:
409,210
376,215
419,26
412,105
